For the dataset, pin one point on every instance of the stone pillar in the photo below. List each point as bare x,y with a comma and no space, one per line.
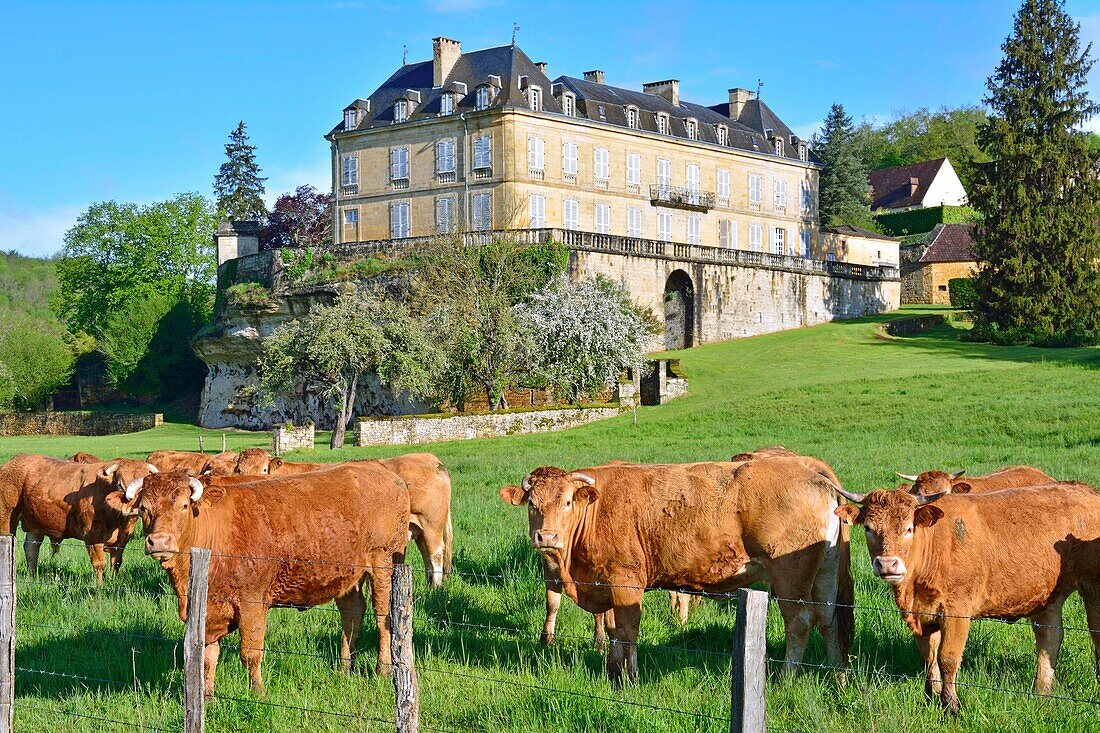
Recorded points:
236,239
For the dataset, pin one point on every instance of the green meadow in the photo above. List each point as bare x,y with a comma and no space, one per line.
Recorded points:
867,403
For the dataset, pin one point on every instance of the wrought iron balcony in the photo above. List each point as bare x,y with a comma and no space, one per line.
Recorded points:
681,198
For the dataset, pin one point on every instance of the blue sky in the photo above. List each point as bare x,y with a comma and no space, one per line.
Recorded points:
133,101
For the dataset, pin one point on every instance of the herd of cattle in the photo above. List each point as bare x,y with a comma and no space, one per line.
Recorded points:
1012,544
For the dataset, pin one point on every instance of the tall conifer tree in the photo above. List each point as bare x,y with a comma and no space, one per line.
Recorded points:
844,195
1038,242
238,185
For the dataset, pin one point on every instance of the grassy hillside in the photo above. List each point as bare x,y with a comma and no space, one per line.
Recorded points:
26,284
869,405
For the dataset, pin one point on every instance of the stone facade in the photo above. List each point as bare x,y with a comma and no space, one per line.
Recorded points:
413,430
927,282
77,423
285,439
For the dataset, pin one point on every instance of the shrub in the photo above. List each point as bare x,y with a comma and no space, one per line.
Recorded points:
35,360
245,295
961,291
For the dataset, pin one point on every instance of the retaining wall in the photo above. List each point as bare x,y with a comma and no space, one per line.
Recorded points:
413,430
76,423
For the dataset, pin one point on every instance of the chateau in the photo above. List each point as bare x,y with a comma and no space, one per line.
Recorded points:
486,141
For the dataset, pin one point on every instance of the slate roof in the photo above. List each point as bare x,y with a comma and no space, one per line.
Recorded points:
950,243
891,188
853,231
473,68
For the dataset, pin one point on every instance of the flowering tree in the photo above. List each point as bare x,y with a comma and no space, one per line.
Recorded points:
334,345
580,336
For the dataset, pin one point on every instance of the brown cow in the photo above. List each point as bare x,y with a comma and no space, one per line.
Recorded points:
612,532
1012,554
941,482
292,541
62,499
81,457
429,499
221,464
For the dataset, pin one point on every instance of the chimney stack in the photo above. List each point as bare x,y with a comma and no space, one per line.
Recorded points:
669,90
914,184
541,66
445,53
595,76
738,99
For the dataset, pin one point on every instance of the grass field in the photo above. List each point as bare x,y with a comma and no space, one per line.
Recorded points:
867,404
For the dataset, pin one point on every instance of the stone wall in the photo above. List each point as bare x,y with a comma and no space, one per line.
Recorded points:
413,430
77,423
732,302
284,439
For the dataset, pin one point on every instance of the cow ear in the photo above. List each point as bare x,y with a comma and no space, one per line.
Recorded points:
116,500
513,495
961,488
927,515
849,513
108,472
211,495
586,493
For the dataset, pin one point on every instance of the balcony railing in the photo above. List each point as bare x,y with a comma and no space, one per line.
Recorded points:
681,198
637,246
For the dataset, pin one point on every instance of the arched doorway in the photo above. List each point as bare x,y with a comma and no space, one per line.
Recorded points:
679,311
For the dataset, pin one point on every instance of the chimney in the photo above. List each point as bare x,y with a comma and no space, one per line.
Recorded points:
669,90
738,99
595,76
445,54
541,66
914,184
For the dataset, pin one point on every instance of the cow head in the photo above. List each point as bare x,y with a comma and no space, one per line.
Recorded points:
223,464
890,519
936,482
254,462
82,457
556,501
118,474
168,504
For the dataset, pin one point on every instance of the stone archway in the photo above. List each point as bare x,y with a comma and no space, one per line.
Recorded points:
679,311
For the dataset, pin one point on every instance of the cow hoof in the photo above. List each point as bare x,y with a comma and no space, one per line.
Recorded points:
258,690
384,670
546,639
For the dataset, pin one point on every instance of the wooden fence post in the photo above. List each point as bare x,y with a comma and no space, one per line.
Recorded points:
201,449
194,644
749,651
405,685
223,442
7,634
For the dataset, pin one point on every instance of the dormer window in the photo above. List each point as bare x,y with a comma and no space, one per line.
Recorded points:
401,110
447,104
569,104
662,123
632,118
802,152
534,98
778,146
723,134
481,98
350,121
692,127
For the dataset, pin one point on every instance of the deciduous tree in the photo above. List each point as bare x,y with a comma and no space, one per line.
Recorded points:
299,219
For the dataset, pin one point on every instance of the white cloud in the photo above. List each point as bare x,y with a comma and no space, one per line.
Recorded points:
36,233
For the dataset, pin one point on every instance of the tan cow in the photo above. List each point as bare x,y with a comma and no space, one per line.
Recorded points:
429,499
81,457
611,532
941,482
220,464
1011,554
62,500
296,541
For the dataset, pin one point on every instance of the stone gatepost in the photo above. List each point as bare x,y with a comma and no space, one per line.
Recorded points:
236,239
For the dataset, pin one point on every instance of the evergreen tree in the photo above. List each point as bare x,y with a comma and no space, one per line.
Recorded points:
1038,242
844,195
238,185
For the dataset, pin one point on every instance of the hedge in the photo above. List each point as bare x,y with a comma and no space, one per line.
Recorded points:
901,223
961,290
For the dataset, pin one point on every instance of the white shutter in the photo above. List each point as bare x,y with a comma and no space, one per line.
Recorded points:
537,207
754,188
569,158
724,233
634,222
780,193
633,168
483,152
664,175
571,214
444,215
350,172
399,163
399,220
723,184
483,212
445,156
664,227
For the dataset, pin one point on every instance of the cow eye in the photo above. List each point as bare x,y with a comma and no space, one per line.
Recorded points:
184,507
908,530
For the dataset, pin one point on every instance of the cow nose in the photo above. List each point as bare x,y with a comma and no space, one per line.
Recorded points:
155,543
544,538
886,565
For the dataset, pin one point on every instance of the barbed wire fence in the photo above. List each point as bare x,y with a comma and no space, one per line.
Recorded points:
746,658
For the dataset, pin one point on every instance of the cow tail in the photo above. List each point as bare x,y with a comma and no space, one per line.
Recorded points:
845,594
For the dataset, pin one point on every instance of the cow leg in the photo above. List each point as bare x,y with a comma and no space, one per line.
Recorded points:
99,561
380,587
432,549
32,543
622,627
1090,594
553,603
599,630
253,627
352,606
953,634
116,558
929,646
210,654
1047,625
